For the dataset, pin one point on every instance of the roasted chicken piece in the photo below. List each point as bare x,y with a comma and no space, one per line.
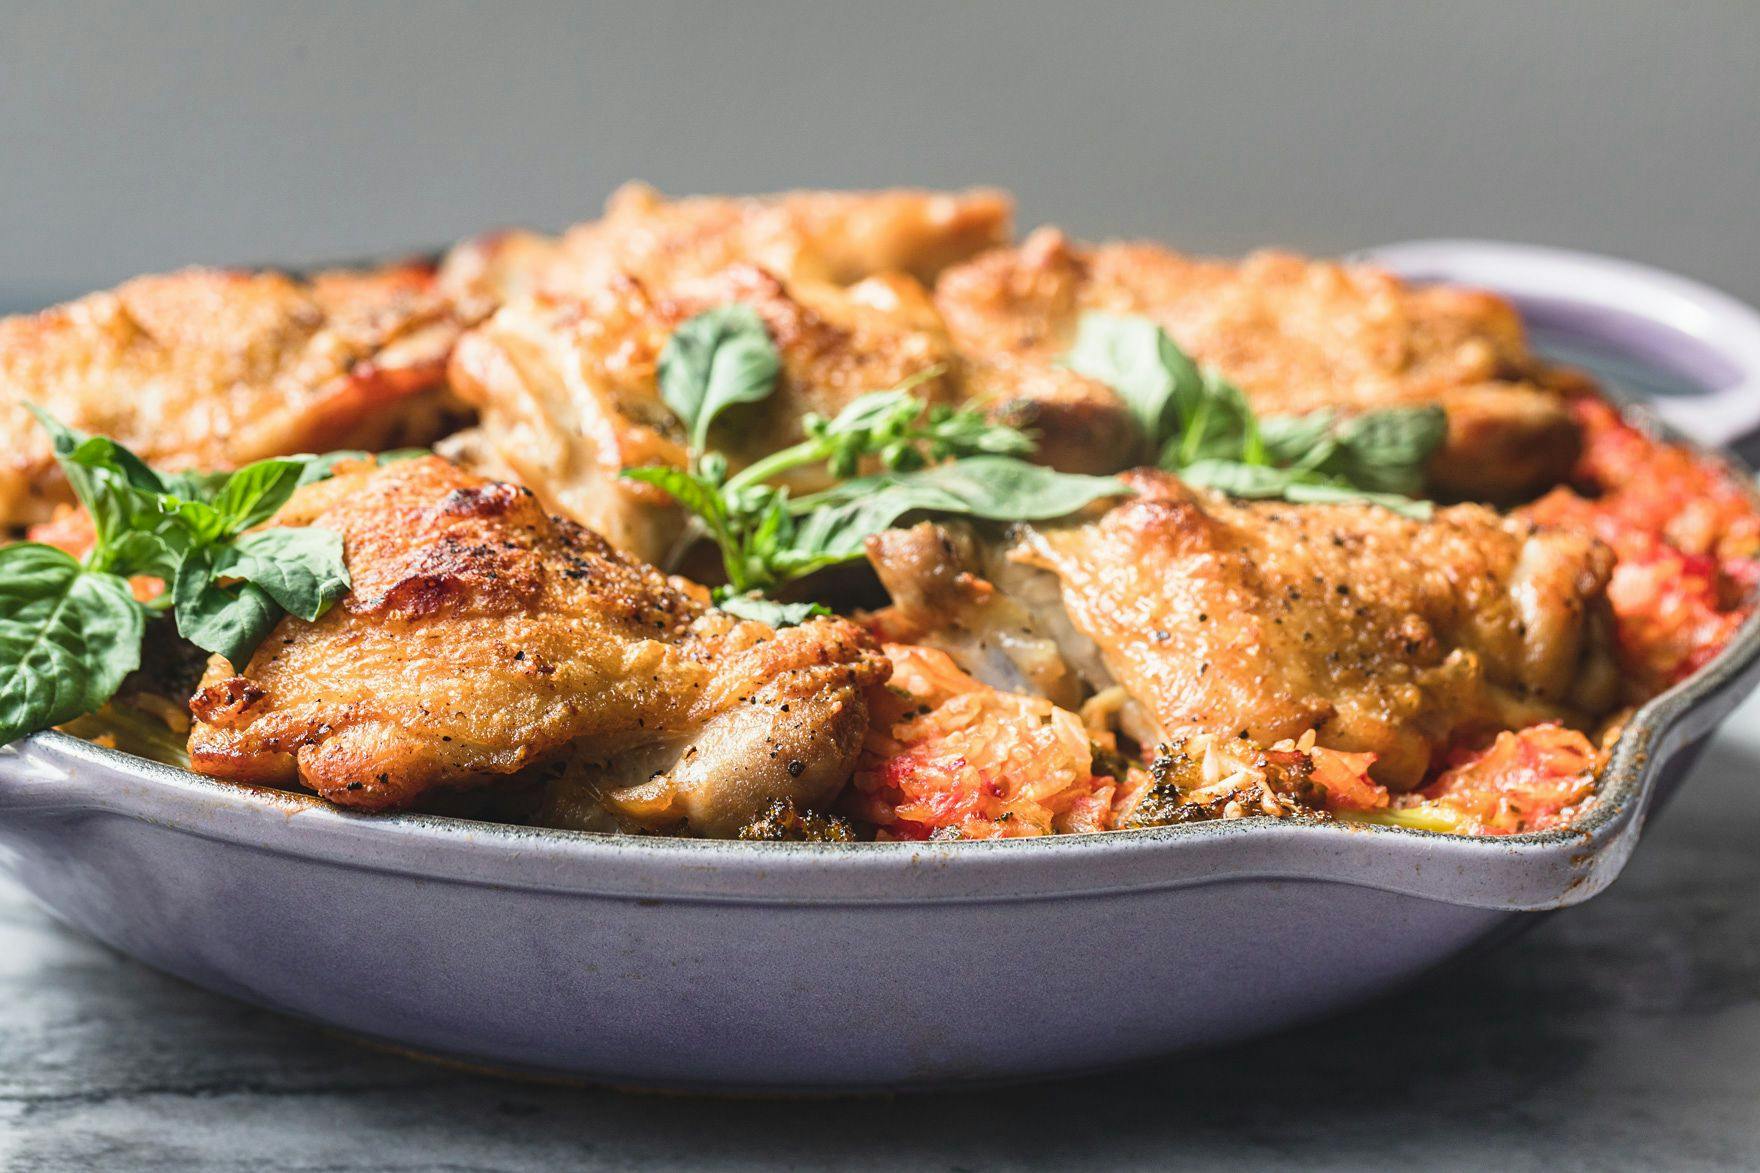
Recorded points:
483,637
831,238
1295,335
569,397
1383,634
212,369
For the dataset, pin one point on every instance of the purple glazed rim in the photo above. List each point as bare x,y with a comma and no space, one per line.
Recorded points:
1674,324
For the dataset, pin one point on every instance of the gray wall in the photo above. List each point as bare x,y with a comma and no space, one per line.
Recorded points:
145,136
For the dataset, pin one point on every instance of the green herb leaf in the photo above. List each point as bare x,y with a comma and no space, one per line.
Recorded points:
1295,439
195,486
251,495
68,637
1137,359
1387,450
156,552
301,568
720,357
1297,485
118,490
1216,423
1322,493
95,453
998,488
776,614
696,494
229,598
230,621
1239,479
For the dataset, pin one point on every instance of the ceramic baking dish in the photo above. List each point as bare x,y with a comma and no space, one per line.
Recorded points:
778,967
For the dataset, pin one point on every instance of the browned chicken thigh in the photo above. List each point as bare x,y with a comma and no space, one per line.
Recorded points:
1295,335
812,237
212,369
569,396
564,376
482,637
1381,633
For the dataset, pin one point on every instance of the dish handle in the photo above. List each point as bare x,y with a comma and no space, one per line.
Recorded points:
1673,324
34,781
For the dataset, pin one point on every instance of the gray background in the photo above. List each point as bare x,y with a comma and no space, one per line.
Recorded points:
1622,1035
144,136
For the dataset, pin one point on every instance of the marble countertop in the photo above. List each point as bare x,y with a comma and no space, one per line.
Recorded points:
1624,1034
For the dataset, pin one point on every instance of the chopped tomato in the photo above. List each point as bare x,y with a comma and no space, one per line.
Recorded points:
1345,777
1685,535
70,529
1525,780
948,755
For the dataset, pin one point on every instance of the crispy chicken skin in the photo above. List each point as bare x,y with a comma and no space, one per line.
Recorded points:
812,237
212,369
1381,633
1296,335
483,636
569,398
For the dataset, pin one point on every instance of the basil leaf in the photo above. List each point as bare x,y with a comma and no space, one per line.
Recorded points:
157,552
301,568
768,611
996,488
1388,450
1239,479
229,621
964,432
117,489
1216,423
68,637
1137,359
1323,493
1296,485
1288,438
92,453
693,492
251,495
716,359
195,486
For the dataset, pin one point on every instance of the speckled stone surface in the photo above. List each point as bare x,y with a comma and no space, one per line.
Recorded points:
1621,1035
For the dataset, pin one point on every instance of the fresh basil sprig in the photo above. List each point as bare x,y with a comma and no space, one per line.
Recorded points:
1202,427
718,358
71,629
932,459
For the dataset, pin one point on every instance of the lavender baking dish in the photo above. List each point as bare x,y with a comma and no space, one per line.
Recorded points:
777,967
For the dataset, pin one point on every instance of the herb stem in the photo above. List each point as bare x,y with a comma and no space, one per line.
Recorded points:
777,463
